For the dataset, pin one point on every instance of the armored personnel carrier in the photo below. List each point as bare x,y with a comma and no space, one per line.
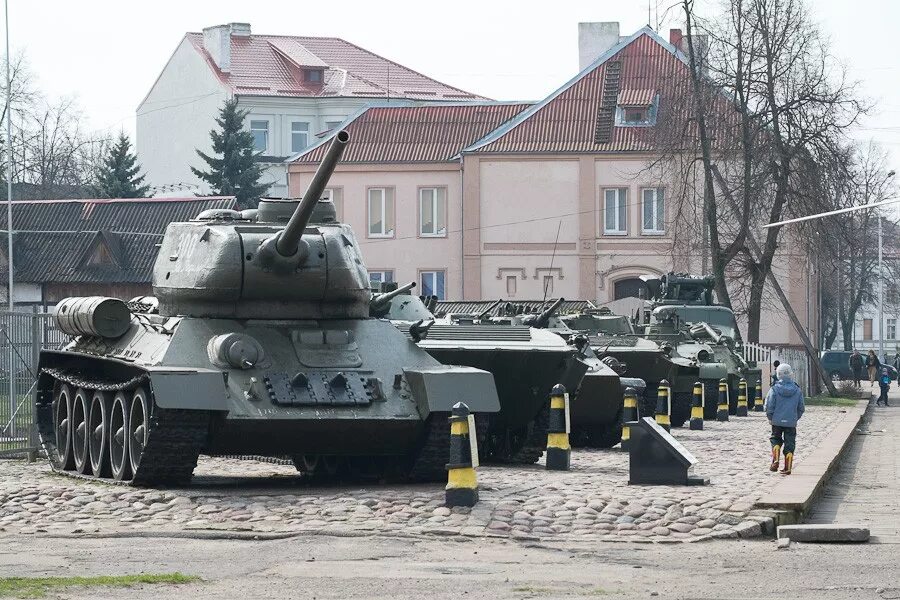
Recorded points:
258,341
526,363
682,313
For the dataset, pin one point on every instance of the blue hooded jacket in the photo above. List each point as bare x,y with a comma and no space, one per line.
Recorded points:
784,404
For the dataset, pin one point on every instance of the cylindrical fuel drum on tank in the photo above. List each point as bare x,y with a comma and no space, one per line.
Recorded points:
93,315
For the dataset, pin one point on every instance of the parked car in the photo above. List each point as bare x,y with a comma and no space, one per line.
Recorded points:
837,365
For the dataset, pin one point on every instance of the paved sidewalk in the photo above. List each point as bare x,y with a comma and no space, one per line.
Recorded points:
866,487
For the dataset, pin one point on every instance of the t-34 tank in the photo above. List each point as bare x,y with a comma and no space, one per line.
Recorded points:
261,344
526,363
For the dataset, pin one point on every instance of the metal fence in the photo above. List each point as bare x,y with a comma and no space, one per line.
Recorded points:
22,335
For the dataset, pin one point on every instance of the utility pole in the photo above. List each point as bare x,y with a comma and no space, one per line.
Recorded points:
880,294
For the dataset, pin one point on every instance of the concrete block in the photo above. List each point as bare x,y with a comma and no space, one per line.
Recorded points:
748,529
825,533
784,543
766,524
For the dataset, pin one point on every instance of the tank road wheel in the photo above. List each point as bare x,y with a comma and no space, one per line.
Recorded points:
98,434
118,439
81,405
681,408
138,427
306,463
62,421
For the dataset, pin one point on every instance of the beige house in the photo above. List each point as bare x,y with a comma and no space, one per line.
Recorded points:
510,200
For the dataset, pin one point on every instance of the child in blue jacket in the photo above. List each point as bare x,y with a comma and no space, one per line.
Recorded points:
884,382
784,407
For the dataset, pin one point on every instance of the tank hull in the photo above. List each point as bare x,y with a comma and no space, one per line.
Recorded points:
323,388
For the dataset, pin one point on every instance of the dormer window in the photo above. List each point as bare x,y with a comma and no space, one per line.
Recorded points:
313,75
636,108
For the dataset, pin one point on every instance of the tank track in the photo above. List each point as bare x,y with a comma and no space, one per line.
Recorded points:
175,438
536,442
605,435
431,463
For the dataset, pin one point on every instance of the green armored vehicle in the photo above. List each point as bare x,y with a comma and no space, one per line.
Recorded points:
526,363
258,341
682,313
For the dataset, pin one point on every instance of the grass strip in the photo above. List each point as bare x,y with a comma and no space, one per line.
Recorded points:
829,401
38,587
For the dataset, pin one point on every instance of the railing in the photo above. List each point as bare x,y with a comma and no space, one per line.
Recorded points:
22,335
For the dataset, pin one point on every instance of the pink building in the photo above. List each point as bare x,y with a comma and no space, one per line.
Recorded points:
512,200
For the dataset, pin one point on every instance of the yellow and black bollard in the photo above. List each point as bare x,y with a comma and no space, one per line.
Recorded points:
742,399
758,399
722,409
558,449
663,406
696,423
630,414
462,483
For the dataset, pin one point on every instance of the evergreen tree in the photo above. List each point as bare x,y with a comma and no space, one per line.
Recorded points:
233,171
119,174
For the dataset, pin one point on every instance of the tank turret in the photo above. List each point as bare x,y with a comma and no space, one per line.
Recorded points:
381,300
279,262
542,319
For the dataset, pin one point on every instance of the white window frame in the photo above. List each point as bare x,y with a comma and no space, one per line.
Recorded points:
384,233
306,133
658,206
621,198
436,210
268,131
514,280
434,273
891,329
329,125
383,273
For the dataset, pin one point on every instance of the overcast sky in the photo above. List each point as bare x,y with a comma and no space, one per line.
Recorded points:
107,53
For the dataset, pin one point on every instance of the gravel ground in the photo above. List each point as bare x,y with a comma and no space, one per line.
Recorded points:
592,502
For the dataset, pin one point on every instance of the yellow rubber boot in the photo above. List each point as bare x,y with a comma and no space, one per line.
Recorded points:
776,453
788,463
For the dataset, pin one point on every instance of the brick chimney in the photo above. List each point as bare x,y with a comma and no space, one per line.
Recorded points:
217,41
594,39
675,37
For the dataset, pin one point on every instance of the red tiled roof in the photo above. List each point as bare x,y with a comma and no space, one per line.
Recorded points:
568,121
633,97
269,65
433,133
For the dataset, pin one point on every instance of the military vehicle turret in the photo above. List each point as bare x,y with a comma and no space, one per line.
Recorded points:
260,343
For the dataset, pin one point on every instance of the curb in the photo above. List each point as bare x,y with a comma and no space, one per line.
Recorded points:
789,501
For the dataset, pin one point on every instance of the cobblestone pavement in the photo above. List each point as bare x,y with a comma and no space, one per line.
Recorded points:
591,502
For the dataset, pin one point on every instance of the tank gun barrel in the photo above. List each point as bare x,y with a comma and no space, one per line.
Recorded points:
543,319
379,300
288,239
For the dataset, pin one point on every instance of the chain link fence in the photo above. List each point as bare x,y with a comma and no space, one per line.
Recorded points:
22,336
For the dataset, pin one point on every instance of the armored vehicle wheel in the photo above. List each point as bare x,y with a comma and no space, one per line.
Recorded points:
138,427
81,406
681,408
118,439
605,435
524,445
306,463
62,422
98,434
711,393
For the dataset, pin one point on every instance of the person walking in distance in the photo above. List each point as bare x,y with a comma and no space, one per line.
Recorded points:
884,382
784,407
856,366
874,367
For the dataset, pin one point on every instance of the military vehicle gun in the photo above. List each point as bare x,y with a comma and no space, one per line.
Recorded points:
259,342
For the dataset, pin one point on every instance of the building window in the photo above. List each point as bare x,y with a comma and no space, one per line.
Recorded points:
548,286
329,125
299,136
433,212
432,283
336,197
313,75
633,287
511,283
381,212
260,132
636,114
867,329
891,329
379,277
614,209
653,209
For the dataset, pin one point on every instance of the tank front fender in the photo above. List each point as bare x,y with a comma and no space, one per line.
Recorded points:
195,389
437,389
714,370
